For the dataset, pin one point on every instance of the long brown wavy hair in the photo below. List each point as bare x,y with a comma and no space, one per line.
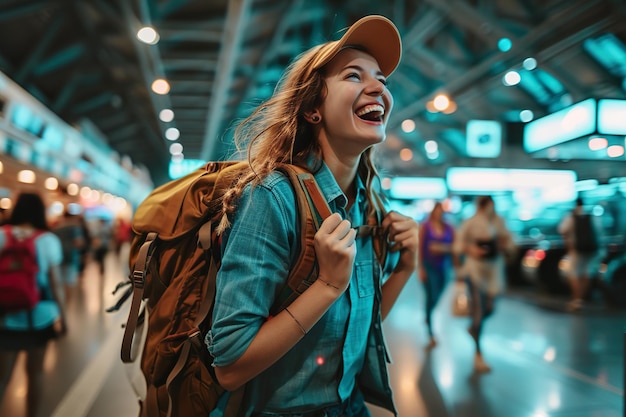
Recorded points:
278,133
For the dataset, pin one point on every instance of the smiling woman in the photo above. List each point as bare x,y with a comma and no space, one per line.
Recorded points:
331,105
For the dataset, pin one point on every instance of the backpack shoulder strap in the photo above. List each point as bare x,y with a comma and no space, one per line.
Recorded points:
313,210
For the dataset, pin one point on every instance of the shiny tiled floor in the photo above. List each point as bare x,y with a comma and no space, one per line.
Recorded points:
546,363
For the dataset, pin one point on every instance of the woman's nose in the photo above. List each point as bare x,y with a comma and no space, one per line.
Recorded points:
375,87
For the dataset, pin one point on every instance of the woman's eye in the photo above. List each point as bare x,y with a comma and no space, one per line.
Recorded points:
383,81
353,75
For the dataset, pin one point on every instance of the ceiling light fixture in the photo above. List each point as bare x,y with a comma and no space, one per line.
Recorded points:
172,133
526,115
176,148
511,78
166,115
441,102
148,35
408,126
597,143
160,86
26,176
51,183
615,151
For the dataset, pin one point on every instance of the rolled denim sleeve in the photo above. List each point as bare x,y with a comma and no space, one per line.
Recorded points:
257,254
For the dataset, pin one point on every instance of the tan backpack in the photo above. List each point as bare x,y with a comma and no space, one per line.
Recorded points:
174,259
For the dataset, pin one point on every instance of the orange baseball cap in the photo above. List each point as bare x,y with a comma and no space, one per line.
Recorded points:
375,34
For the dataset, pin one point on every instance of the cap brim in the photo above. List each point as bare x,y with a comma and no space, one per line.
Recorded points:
375,34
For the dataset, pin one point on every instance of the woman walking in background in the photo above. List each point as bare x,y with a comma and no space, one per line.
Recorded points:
484,242
26,330
435,261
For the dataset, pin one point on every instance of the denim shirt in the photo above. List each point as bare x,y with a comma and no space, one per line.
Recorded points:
258,251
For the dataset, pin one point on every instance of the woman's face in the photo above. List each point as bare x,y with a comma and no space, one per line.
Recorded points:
437,212
356,108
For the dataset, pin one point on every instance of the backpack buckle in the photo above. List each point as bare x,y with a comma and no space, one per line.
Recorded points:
138,279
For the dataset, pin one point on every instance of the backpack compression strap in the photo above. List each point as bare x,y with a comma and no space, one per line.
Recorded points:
138,278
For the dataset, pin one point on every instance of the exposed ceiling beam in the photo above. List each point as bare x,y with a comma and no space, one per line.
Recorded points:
235,25
13,11
519,51
40,49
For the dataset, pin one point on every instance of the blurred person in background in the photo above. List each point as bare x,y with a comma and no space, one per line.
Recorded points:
435,261
123,234
481,246
70,232
30,331
581,236
85,251
101,239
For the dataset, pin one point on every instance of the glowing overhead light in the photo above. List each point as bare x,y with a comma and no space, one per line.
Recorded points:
526,116
176,148
441,102
5,203
172,133
529,64
26,176
166,115
179,157
595,144
511,78
431,146
505,44
406,154
408,126
72,189
615,151
85,192
160,86
51,183
148,35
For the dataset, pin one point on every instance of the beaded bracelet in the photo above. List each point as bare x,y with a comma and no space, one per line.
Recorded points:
297,321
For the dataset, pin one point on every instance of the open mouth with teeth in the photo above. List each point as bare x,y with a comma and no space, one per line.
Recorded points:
372,113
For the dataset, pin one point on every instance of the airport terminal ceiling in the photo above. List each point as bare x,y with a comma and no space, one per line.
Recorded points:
83,60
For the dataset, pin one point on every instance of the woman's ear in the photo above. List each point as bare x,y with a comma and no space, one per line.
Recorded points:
312,117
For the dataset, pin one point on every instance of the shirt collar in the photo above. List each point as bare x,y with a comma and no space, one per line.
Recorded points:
331,190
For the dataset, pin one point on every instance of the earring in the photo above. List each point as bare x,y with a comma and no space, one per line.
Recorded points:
315,118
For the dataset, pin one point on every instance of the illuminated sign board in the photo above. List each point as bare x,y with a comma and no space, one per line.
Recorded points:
415,188
547,184
612,117
567,124
484,138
